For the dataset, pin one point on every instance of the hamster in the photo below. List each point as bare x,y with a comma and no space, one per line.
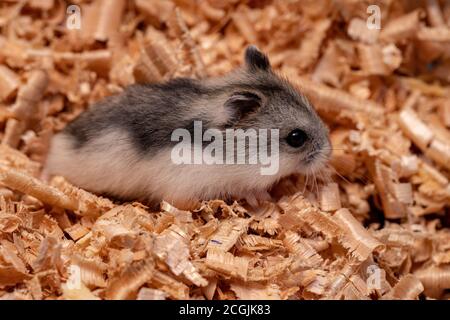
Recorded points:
123,146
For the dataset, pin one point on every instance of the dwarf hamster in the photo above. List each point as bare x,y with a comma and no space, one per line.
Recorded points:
123,146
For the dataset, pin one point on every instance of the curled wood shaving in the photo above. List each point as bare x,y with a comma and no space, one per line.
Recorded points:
434,279
35,288
91,271
415,129
401,28
9,255
269,269
49,255
301,211
267,225
256,291
25,106
181,215
409,287
210,11
314,282
228,234
360,242
424,137
376,60
310,47
88,203
439,34
21,182
439,151
383,210
126,284
171,246
304,254
326,98
78,293
172,287
383,177
9,222
115,233
354,289
191,53
9,276
403,192
227,264
256,243
434,13
9,82
406,166
108,15
151,294
340,280
244,25
156,11
357,30
329,197
331,66
157,61
13,129
30,94
77,231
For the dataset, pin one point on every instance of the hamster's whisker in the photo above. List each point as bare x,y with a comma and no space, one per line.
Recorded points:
323,157
338,174
363,177
305,184
341,160
334,171
329,174
334,149
325,176
315,183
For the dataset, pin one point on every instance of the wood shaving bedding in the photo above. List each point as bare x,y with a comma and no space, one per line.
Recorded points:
373,225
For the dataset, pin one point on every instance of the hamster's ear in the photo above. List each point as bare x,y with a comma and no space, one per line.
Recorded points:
256,60
241,103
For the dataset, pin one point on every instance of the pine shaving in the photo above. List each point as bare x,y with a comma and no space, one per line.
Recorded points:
227,264
356,237
372,225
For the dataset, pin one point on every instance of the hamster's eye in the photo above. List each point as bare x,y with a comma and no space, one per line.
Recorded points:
297,138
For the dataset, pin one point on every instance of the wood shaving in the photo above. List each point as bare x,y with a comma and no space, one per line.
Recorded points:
356,238
373,225
256,291
151,294
19,181
227,264
329,197
9,82
409,287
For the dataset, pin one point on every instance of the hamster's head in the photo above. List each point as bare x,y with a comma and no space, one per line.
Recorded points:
261,99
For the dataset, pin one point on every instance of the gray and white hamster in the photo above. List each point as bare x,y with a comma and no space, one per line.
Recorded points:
122,146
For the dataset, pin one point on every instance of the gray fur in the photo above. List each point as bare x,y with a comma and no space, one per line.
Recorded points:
151,112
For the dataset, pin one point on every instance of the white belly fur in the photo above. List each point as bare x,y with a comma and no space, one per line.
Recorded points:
110,165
